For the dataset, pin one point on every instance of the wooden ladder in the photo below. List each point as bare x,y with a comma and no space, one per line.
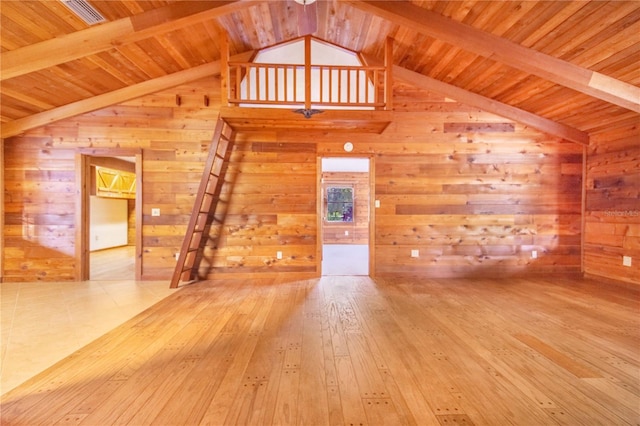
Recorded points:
204,208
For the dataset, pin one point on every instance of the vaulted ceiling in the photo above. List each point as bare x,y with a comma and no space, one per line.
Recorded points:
574,65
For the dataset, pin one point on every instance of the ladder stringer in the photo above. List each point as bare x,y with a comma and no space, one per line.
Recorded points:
204,208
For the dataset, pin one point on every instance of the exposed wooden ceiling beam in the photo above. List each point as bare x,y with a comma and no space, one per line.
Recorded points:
499,49
16,127
111,35
489,105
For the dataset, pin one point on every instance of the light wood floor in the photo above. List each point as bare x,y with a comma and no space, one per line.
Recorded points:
356,351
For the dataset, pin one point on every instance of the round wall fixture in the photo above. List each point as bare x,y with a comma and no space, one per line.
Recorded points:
348,147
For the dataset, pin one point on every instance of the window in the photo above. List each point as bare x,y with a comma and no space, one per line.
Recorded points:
339,204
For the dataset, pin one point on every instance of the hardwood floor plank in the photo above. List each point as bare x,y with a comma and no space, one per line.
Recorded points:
203,333
155,376
312,391
189,402
334,403
621,402
381,411
402,363
352,407
353,350
95,364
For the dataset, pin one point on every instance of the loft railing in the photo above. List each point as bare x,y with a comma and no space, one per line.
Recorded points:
283,84
306,85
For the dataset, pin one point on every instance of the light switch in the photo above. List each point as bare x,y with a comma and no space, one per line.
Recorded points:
626,260
155,212
415,253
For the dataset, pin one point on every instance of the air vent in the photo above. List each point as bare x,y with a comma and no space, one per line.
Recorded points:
84,11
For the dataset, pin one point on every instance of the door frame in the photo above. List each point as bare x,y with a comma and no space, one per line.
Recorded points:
82,225
320,210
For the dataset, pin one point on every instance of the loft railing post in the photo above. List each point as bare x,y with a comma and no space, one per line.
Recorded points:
307,72
388,76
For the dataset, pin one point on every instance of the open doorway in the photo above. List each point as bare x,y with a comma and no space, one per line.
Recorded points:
345,216
108,238
112,218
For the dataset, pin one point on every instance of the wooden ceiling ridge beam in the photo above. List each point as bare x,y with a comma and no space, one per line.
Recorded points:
110,35
488,45
486,104
105,100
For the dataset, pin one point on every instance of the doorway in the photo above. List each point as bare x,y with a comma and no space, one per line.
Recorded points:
345,216
109,224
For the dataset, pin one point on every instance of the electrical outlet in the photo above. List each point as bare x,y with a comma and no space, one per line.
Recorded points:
278,255
346,232
155,212
177,256
534,254
626,260
415,253
377,204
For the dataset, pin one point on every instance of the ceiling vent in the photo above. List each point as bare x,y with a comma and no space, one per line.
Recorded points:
84,11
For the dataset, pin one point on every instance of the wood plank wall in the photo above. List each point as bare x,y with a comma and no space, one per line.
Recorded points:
612,217
270,206
40,179
472,203
474,193
131,222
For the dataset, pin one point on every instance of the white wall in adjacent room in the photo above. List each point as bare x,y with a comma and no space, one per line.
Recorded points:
108,225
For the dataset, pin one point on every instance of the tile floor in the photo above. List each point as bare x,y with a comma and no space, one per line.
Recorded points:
41,323
345,259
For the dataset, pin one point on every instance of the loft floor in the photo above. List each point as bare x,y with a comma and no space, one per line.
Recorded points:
352,350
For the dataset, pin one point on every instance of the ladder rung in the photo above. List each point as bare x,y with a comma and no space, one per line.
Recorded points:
207,200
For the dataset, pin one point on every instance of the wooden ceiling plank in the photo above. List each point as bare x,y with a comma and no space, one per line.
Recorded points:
20,22
492,106
615,38
538,15
101,101
106,36
483,69
554,41
598,30
62,49
626,67
491,46
114,69
138,61
26,98
16,127
543,31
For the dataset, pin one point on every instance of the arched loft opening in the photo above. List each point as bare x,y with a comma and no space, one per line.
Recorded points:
307,73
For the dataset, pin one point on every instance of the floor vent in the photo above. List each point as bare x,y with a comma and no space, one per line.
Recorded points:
84,11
